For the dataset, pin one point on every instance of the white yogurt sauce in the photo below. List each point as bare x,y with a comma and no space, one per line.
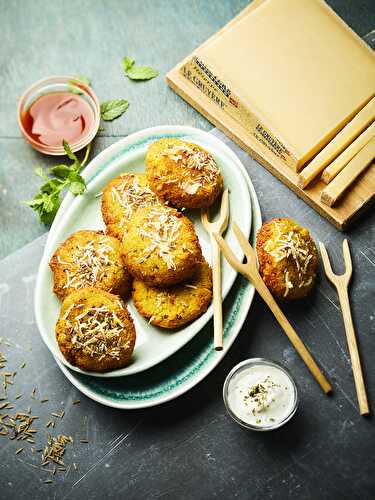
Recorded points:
261,395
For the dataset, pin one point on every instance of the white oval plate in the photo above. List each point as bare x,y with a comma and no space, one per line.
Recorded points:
187,367
153,345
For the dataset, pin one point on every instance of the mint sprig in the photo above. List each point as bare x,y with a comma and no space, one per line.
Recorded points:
65,177
135,72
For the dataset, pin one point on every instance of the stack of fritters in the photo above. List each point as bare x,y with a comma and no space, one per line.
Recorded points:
146,239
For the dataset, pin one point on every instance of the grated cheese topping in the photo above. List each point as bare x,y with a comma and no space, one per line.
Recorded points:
88,264
131,196
161,228
294,248
201,168
96,332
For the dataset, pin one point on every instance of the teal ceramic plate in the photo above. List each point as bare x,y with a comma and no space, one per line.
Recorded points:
191,363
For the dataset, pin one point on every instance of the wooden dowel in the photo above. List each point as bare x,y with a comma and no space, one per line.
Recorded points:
217,299
337,165
341,283
353,349
353,169
338,144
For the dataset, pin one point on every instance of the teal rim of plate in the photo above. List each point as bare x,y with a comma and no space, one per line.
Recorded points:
178,369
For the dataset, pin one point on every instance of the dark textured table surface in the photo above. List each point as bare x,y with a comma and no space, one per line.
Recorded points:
188,448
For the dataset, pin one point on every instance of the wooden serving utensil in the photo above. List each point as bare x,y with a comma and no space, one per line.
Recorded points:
341,283
250,271
218,227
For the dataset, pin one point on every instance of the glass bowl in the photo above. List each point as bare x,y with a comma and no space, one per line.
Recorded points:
259,362
59,84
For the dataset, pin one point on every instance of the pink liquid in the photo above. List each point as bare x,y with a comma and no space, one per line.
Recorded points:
57,116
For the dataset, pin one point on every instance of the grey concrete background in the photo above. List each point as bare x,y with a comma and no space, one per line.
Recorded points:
188,448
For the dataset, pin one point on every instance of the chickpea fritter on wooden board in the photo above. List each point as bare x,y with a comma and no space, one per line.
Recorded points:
160,246
95,331
89,259
178,305
183,173
288,259
121,197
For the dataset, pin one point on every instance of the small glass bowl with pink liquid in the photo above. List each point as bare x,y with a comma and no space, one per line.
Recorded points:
58,108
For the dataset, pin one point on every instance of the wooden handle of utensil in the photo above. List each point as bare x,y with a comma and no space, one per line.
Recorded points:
290,332
217,300
353,349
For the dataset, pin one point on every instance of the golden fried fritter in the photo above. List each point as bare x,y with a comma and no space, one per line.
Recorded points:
89,259
183,173
121,197
178,305
288,259
95,331
160,246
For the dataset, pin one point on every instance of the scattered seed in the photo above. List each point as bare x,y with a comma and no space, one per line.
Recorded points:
23,365
83,441
19,450
55,449
18,396
76,402
48,481
44,400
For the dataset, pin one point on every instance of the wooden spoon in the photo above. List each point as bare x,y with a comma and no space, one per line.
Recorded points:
341,283
218,227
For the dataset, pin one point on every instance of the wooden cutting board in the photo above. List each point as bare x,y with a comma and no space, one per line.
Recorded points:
352,204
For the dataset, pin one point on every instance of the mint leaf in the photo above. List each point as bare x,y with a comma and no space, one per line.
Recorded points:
138,72
50,207
77,188
127,62
141,73
51,186
77,183
110,110
74,89
45,205
69,152
73,84
83,79
61,171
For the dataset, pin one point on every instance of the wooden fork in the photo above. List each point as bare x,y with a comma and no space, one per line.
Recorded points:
218,227
250,271
341,283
